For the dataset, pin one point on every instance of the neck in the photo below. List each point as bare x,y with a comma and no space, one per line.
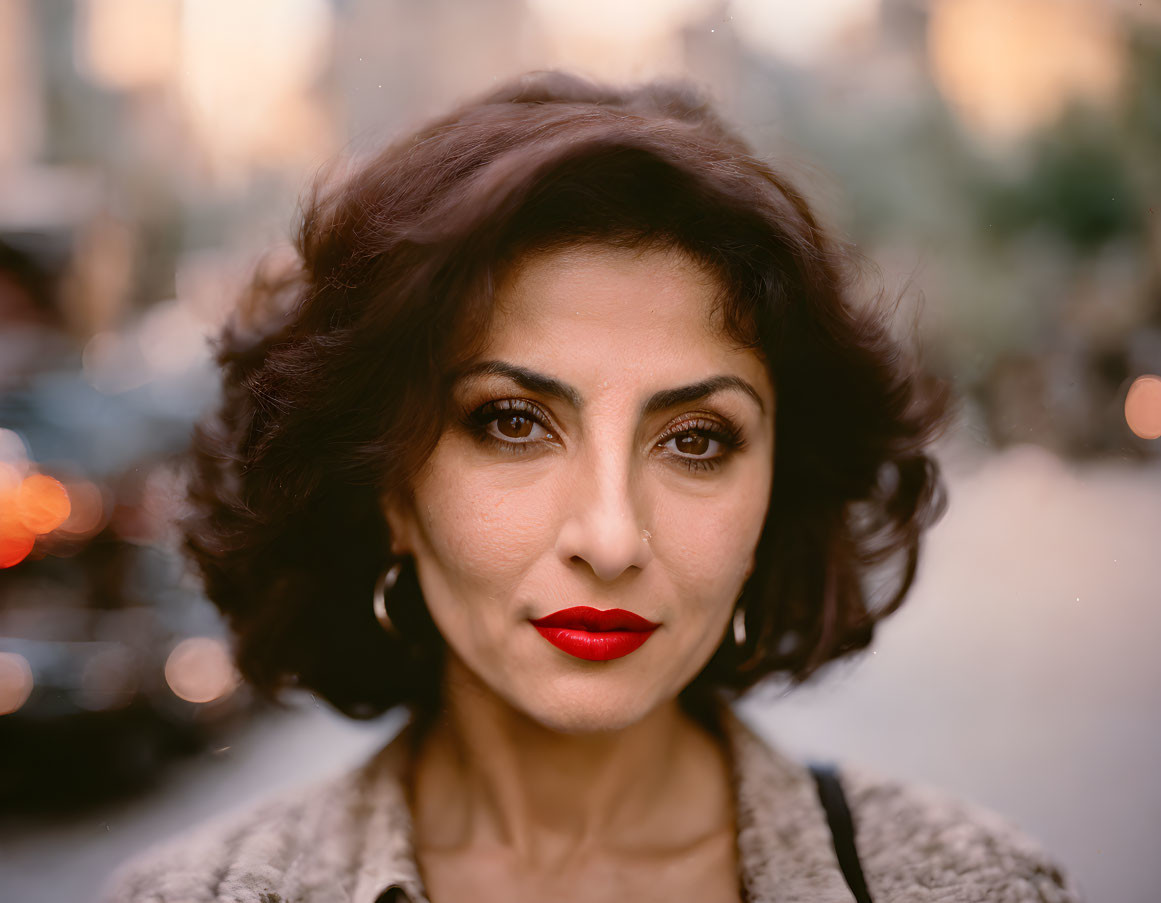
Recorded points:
489,778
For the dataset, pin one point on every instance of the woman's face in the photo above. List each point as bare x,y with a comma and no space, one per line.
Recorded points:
586,471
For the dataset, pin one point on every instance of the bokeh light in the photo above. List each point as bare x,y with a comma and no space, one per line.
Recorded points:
803,33
245,78
42,503
126,44
11,477
1143,406
16,540
629,40
88,509
172,338
199,669
15,682
1008,67
13,451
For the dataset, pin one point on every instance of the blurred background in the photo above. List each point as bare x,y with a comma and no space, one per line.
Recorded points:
1001,159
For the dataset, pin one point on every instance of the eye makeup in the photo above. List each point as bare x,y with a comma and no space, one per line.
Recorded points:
525,417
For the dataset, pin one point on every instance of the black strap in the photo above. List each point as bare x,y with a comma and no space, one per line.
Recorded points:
842,828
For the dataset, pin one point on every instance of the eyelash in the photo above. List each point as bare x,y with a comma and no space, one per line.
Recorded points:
727,435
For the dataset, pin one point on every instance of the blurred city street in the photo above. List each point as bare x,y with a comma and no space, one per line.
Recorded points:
995,162
1015,677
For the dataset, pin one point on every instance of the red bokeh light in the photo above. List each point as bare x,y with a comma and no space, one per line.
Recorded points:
15,541
29,507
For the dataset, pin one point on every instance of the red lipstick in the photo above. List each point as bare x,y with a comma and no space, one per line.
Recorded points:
594,635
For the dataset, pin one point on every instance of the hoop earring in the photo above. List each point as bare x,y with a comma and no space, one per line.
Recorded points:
740,626
379,598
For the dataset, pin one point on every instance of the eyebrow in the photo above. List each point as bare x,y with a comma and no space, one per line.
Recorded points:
658,401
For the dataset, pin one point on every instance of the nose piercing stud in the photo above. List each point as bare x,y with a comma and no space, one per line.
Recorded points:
646,535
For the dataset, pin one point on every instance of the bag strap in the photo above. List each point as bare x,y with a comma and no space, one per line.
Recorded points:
842,828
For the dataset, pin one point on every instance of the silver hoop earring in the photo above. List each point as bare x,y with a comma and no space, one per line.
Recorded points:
379,598
740,626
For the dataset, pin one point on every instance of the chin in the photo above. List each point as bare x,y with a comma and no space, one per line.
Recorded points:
586,710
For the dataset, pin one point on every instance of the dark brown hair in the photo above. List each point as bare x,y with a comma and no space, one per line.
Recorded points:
336,379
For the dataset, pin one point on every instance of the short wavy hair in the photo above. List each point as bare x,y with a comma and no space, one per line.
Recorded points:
337,375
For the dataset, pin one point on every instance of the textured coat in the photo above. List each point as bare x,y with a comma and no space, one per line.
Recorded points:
348,840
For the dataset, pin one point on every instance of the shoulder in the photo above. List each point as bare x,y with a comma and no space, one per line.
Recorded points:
921,845
301,844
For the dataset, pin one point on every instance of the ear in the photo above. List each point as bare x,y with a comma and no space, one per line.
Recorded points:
398,512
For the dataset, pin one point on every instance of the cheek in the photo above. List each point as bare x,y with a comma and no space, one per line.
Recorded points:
478,531
709,542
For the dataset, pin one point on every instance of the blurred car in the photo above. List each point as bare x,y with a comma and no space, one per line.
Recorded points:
96,699
111,660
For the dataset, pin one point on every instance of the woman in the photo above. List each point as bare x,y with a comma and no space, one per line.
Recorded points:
575,398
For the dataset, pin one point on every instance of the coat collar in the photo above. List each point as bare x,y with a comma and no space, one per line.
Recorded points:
785,851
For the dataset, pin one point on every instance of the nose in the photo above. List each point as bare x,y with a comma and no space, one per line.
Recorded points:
604,524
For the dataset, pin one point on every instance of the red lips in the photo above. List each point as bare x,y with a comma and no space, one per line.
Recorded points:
581,617
595,635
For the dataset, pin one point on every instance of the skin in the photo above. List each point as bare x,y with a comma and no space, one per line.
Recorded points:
546,776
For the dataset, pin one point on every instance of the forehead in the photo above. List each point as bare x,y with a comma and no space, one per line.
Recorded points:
606,320
651,293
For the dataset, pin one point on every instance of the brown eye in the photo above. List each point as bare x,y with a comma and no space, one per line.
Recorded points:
512,425
693,443
702,445
515,426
